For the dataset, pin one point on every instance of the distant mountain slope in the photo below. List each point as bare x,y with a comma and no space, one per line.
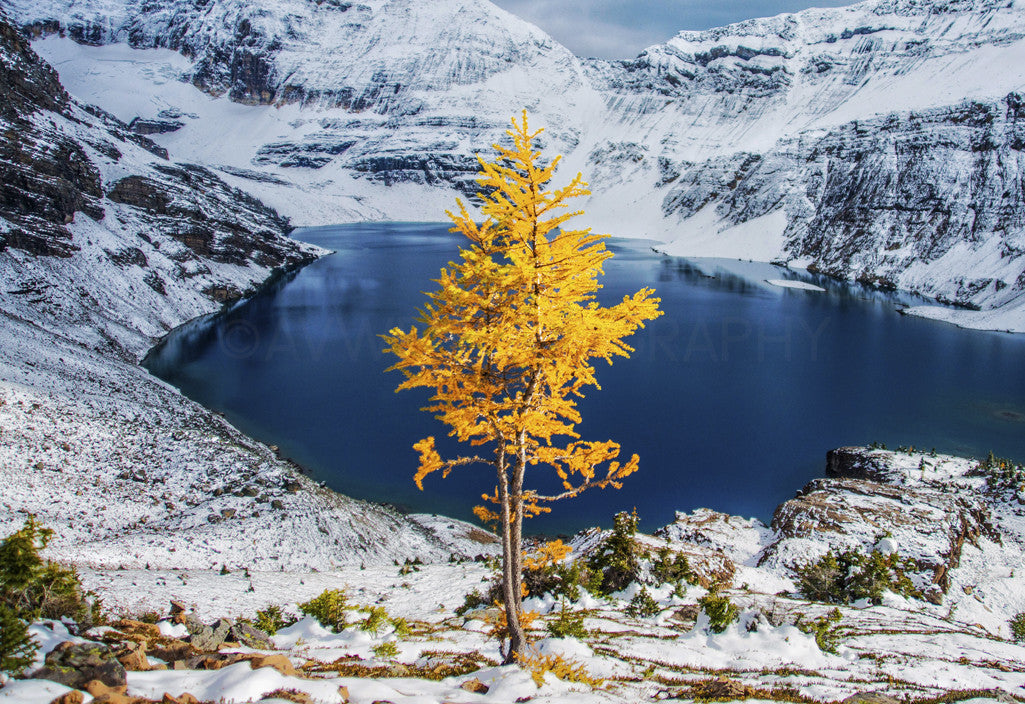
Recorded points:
348,111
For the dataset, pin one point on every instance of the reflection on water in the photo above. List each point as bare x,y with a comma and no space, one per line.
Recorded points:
731,399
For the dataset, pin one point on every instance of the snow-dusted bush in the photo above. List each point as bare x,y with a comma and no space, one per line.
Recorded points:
617,561
33,588
824,628
850,575
272,619
720,610
642,604
567,624
329,608
1018,627
17,649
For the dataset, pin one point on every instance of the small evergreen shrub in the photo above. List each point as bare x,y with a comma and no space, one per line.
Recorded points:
642,604
35,588
617,561
567,625
824,628
473,600
410,566
329,609
387,649
850,575
1002,475
272,619
720,610
17,649
377,618
668,568
401,626
1018,627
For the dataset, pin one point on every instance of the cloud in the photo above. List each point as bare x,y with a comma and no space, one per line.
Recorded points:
614,29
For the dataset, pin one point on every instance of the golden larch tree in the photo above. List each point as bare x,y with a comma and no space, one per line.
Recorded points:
508,343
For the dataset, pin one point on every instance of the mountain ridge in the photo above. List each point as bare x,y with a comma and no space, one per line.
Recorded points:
375,110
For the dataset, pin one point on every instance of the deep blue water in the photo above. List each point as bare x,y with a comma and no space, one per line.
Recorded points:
731,399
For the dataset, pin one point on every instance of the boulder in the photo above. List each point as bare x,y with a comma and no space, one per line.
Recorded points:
75,664
98,688
72,697
250,636
474,685
184,698
133,657
279,662
204,637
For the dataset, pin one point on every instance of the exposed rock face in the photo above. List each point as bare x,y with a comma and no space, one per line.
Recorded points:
143,126
930,201
867,499
46,176
54,184
196,208
856,463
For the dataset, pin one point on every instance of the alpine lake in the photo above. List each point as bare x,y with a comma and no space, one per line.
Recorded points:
731,398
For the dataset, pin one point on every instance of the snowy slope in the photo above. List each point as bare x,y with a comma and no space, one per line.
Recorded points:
105,245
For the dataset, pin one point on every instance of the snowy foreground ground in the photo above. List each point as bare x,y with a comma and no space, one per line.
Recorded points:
907,648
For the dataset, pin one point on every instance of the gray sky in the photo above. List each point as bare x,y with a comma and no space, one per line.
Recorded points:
620,29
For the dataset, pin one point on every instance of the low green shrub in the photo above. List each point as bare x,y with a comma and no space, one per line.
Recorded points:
642,604
567,624
387,649
720,610
35,588
1018,627
272,619
473,600
377,618
824,628
329,608
17,649
850,575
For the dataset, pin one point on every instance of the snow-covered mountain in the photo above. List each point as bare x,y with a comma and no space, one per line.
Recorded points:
718,142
